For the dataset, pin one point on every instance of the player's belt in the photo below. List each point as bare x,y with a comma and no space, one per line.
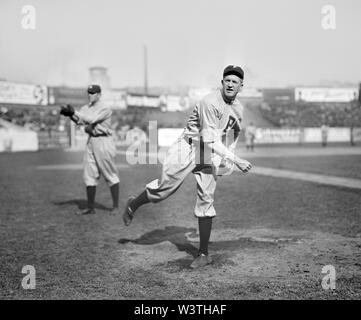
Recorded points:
101,135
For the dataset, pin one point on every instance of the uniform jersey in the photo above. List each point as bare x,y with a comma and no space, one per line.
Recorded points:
213,118
97,114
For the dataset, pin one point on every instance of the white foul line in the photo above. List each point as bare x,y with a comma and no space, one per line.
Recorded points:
76,166
310,177
277,173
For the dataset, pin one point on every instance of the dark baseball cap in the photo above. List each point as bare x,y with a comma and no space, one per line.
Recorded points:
235,70
94,88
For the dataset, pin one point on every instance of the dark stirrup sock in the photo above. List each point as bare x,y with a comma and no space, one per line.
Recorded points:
114,190
90,192
139,201
205,228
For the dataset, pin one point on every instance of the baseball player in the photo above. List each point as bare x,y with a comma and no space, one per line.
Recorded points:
201,150
250,134
100,152
324,134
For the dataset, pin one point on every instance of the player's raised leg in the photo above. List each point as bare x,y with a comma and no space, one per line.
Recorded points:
178,163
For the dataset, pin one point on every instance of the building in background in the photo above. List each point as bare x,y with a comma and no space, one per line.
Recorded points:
142,101
176,103
340,95
66,95
25,94
99,75
278,95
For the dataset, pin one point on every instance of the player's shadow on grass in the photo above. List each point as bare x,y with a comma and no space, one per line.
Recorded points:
180,237
173,234
81,204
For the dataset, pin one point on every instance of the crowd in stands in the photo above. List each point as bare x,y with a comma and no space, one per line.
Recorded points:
302,114
47,121
37,118
281,114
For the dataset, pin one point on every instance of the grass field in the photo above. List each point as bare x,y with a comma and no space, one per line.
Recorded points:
270,240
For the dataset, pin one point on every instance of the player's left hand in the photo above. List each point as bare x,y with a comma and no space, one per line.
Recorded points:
225,168
243,165
67,110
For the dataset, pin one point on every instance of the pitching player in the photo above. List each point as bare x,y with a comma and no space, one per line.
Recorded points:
200,150
100,152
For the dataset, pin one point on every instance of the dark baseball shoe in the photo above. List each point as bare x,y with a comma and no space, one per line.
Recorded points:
201,261
85,212
128,214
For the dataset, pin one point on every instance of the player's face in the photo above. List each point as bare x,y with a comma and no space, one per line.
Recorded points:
93,97
231,85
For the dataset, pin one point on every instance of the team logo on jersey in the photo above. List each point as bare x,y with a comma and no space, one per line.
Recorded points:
233,125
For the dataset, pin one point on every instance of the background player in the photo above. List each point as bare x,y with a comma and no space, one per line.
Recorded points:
217,116
324,134
100,152
250,135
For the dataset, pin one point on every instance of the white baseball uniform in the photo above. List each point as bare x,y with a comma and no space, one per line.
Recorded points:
100,152
211,119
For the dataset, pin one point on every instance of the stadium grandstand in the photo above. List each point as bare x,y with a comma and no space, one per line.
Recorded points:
36,108
335,107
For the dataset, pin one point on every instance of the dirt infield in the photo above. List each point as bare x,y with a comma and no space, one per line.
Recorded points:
271,238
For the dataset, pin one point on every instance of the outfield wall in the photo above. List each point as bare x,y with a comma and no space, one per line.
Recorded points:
166,136
278,136
304,135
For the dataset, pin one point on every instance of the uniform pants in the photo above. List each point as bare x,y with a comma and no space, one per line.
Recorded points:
179,161
99,160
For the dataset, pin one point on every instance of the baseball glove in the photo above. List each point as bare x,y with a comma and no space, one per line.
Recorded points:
66,110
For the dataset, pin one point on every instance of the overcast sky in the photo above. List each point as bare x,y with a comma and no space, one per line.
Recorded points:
278,42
